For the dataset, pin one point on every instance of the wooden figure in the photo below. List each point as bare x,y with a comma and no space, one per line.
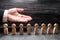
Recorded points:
13,29
49,29
5,29
28,29
55,29
43,31
36,29
21,31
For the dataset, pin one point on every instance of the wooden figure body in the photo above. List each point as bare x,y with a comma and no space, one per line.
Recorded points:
13,29
36,29
21,31
49,29
55,29
28,29
43,31
5,29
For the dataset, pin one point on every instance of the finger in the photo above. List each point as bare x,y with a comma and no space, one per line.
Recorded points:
12,18
24,16
20,19
23,20
27,17
19,9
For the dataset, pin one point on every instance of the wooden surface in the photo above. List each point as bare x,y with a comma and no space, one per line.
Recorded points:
29,37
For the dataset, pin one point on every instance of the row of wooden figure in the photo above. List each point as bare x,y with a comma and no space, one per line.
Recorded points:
43,29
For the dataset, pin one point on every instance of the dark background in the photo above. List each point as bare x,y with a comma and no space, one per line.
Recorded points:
42,11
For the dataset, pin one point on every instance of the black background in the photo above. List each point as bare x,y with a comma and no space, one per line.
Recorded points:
42,11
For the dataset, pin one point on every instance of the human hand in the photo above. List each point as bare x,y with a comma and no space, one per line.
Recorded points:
14,16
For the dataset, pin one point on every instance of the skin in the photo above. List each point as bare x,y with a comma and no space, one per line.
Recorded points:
15,16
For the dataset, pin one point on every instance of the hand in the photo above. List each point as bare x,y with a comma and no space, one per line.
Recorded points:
14,16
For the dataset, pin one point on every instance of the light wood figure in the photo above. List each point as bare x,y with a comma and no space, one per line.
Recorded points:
36,29
43,30
13,29
55,29
5,29
21,31
28,29
49,29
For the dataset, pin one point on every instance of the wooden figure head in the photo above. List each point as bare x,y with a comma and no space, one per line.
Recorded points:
21,25
5,25
13,25
43,25
36,25
49,25
28,25
55,25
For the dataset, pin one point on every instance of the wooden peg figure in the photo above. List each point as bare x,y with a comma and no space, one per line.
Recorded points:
21,31
13,29
36,29
43,31
55,29
49,29
5,29
28,29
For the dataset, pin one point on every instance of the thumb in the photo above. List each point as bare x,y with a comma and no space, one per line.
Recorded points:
19,9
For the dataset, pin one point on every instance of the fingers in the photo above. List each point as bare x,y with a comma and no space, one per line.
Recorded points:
29,18
15,10
19,9
12,18
23,19
25,16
